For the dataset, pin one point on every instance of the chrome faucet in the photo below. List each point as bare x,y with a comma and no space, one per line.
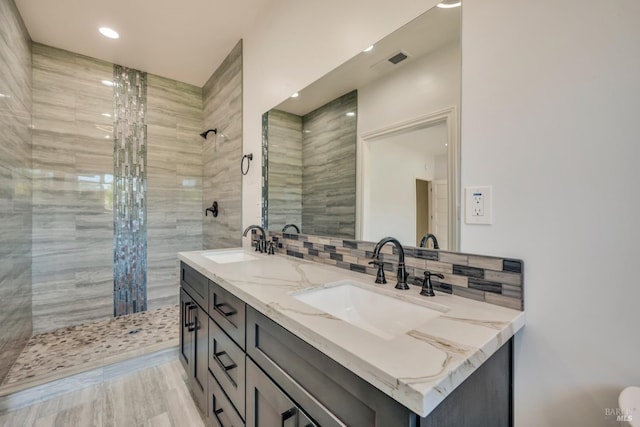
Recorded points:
425,239
402,271
262,243
284,229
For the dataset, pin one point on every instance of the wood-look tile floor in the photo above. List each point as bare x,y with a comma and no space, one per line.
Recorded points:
153,397
63,352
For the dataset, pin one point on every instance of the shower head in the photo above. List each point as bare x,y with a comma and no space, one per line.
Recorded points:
205,133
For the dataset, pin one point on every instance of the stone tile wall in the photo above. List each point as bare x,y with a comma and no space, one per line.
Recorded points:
73,177
15,185
222,104
329,168
490,279
284,176
72,188
174,183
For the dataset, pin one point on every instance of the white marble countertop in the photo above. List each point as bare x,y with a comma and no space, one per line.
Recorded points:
418,368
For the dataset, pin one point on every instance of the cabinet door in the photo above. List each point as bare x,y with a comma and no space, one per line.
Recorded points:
268,406
199,377
186,335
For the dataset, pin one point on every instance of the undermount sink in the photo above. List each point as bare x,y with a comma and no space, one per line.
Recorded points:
382,315
226,257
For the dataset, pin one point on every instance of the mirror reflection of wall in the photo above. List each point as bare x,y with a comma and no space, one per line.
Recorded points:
311,178
392,96
413,187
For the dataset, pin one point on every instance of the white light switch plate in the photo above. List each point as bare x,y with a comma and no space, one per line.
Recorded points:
478,205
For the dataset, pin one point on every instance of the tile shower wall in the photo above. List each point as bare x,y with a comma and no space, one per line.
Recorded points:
284,169
483,278
329,168
15,185
73,179
222,102
72,189
174,183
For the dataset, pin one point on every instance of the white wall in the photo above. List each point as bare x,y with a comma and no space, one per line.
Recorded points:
390,193
392,164
550,105
427,85
441,164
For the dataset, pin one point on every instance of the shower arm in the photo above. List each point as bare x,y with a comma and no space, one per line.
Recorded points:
205,133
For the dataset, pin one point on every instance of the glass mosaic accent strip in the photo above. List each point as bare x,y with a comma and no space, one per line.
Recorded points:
129,191
265,170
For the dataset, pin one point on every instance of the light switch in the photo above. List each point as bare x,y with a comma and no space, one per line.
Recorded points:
478,205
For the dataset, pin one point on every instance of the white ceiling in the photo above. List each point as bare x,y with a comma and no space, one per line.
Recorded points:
181,40
430,31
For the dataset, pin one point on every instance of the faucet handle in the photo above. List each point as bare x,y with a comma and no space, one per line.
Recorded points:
428,274
427,286
380,274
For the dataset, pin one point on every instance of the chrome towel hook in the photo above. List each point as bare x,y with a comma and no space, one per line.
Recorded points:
249,157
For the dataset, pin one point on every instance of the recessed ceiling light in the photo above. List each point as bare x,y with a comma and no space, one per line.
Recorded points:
106,114
449,5
107,136
351,114
109,33
295,95
369,49
107,83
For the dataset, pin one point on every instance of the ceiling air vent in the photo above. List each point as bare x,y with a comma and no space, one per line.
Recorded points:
397,58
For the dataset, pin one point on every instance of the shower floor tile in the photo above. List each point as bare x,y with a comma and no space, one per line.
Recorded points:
67,351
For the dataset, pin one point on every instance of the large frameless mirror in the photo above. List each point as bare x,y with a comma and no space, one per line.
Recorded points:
372,148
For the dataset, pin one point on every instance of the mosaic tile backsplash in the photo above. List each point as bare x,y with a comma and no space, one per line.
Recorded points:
483,278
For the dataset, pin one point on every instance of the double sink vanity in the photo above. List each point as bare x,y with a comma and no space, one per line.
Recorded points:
282,341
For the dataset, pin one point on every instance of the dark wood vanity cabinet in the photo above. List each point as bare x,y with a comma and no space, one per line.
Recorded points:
331,394
334,396
193,346
244,369
212,340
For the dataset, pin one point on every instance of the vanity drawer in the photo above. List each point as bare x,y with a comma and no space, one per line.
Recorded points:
221,412
228,311
268,405
330,393
195,284
227,363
